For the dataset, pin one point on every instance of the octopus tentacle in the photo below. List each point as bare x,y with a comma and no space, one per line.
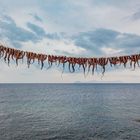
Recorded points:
134,59
10,54
90,62
70,64
95,63
83,62
17,55
63,60
2,51
28,58
103,62
50,61
6,54
43,58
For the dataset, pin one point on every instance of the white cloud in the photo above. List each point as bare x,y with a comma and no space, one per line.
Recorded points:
75,16
57,47
111,51
70,17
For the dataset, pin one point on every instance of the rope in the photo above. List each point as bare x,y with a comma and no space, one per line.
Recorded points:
86,64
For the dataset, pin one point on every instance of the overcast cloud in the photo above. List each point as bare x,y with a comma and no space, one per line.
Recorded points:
77,28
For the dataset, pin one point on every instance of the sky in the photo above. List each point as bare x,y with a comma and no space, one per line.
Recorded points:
81,28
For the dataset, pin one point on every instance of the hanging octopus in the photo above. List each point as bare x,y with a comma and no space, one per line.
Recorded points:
6,53
18,55
124,60
30,58
134,59
71,64
78,61
52,59
103,62
10,55
41,58
92,62
113,61
82,62
55,59
62,60
89,64
2,51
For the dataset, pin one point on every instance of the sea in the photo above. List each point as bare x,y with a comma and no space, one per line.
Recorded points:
69,111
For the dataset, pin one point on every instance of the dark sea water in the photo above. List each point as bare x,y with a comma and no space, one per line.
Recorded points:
69,112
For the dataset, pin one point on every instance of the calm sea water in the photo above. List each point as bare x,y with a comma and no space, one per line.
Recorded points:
69,112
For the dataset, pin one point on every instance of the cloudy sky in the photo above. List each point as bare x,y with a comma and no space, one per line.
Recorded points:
70,27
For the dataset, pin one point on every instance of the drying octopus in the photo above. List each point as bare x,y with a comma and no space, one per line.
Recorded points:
82,62
52,59
2,51
71,63
123,60
103,62
62,60
9,53
30,58
134,59
92,62
89,64
113,61
18,55
41,58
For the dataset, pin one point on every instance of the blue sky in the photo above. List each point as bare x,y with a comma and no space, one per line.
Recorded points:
70,27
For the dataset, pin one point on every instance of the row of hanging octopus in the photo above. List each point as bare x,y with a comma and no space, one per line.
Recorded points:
87,64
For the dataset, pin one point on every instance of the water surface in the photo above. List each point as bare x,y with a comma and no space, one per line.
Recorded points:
69,112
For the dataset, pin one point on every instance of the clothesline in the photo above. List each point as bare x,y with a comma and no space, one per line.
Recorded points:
87,64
